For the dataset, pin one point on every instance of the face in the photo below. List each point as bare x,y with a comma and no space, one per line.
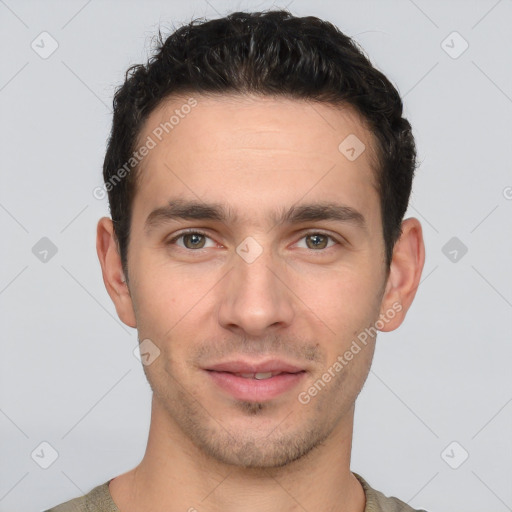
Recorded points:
272,260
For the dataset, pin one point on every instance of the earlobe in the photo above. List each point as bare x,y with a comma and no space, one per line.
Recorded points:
404,275
111,268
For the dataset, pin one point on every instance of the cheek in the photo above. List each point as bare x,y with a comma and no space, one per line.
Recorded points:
173,310
165,293
344,299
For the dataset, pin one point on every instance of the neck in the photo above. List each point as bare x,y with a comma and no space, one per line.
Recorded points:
175,475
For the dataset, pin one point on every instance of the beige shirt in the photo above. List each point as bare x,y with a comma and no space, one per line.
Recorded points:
100,500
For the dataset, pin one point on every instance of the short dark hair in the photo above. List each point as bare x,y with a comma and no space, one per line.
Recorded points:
269,53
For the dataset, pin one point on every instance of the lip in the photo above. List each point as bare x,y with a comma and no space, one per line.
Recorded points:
255,390
240,366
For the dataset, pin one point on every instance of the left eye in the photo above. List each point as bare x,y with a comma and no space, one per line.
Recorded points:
197,239
317,240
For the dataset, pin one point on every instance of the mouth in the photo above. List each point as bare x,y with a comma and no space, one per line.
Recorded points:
258,376
255,382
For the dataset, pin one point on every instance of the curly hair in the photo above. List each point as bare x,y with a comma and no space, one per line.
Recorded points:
269,53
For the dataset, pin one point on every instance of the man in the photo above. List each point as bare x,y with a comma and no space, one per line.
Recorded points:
258,172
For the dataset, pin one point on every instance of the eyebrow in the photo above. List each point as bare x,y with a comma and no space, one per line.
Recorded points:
181,209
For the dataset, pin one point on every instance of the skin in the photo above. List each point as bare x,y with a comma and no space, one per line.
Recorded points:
299,301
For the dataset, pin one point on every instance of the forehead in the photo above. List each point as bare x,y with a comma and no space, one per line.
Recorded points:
207,121
256,150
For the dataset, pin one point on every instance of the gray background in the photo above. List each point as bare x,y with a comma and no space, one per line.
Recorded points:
68,373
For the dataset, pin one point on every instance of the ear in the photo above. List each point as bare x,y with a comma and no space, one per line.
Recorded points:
112,270
404,276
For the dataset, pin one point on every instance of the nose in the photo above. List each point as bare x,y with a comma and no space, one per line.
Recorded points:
256,298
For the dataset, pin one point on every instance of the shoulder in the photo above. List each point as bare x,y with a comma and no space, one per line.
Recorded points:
97,500
378,502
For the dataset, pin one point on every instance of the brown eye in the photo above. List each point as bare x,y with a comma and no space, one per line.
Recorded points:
317,241
193,240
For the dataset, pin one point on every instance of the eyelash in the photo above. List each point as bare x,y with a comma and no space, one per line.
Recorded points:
202,233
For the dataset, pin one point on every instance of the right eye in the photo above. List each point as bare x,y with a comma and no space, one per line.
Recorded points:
192,239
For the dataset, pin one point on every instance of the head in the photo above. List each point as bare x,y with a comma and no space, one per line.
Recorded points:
272,54
285,153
